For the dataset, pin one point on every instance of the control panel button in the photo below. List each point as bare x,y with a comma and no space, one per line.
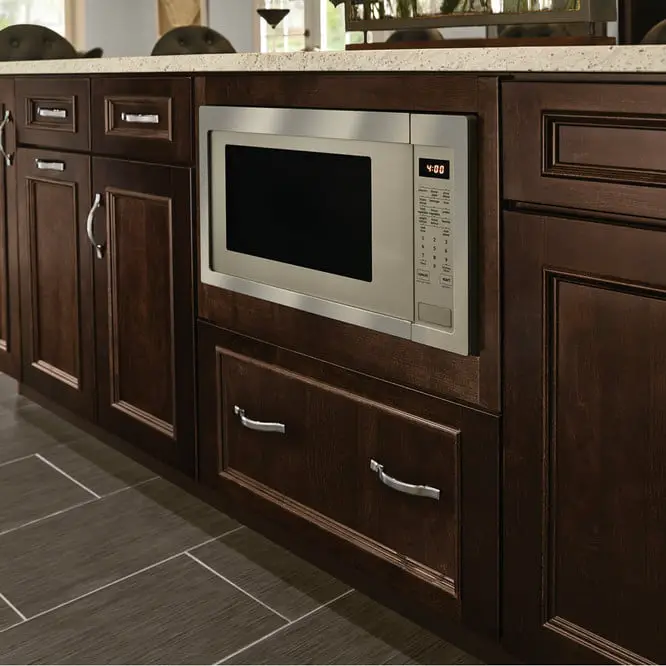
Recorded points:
423,275
446,280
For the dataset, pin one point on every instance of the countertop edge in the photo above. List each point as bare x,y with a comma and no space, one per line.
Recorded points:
534,59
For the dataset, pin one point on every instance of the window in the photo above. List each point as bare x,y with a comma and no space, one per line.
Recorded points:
289,34
325,23
50,13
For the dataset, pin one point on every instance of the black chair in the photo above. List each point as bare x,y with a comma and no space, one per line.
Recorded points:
192,39
25,41
656,34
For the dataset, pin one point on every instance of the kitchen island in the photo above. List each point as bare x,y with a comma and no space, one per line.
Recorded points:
545,541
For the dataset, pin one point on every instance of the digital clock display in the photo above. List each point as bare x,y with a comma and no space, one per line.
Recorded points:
434,168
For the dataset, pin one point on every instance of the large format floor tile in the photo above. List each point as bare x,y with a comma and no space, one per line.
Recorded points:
273,575
99,467
31,489
175,613
48,423
19,439
352,630
54,561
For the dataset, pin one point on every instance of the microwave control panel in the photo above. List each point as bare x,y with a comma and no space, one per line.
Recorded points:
442,239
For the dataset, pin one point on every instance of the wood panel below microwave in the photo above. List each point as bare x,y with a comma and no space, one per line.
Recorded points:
383,356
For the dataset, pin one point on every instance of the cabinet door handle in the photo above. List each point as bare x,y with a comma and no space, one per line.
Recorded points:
6,119
401,486
51,113
145,118
261,426
44,165
99,249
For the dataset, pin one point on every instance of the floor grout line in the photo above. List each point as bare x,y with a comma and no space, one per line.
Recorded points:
11,605
15,460
238,587
50,515
68,476
134,485
207,541
113,582
80,504
283,627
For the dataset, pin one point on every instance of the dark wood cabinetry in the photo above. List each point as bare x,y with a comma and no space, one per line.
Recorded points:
105,262
58,318
144,312
53,112
10,327
306,442
149,119
587,147
544,480
585,463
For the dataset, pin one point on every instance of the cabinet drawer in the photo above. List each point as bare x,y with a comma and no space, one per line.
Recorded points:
315,478
54,113
147,119
386,474
596,147
313,461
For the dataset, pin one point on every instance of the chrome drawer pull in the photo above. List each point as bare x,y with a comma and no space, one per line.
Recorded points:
99,249
51,113
7,157
148,118
261,426
400,486
43,165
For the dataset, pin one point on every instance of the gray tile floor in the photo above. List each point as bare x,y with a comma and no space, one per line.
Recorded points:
102,562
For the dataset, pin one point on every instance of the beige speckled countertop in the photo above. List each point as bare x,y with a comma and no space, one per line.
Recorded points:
599,59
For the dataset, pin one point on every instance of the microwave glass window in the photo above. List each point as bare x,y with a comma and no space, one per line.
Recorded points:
302,208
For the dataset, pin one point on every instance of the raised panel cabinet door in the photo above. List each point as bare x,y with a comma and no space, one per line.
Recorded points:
53,199
142,230
10,328
584,441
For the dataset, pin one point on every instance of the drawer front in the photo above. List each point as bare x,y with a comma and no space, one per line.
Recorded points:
391,476
314,460
54,113
596,147
410,490
148,119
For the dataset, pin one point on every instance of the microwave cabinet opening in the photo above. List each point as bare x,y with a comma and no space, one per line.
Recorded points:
364,217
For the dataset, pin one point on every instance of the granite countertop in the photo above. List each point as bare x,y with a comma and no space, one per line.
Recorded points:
597,59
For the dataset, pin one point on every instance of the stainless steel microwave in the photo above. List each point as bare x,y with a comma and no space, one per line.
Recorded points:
364,217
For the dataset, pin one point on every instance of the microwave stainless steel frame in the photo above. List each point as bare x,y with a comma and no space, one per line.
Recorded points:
422,228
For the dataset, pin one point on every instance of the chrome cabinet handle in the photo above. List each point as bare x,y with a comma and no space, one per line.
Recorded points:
261,426
44,165
146,118
401,486
99,249
51,113
6,119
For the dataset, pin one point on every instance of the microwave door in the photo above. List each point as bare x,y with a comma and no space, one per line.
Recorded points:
325,219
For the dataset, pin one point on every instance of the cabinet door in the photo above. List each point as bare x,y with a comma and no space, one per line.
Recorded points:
143,297
10,338
53,198
585,434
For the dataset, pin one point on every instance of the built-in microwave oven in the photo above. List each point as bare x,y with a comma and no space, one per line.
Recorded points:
364,217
